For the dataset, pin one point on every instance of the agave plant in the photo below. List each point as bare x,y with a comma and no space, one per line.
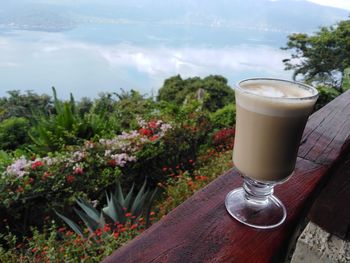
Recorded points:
118,209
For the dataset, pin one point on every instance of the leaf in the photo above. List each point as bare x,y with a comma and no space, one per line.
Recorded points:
89,209
119,194
118,209
89,222
149,205
72,225
114,210
138,198
127,201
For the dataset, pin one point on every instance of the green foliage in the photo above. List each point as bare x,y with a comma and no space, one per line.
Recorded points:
216,91
346,80
13,133
224,117
321,56
60,245
326,95
24,105
119,210
209,165
66,127
129,106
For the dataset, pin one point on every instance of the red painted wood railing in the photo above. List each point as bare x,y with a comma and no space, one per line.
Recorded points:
200,229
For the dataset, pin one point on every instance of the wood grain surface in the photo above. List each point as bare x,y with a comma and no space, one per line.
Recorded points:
200,229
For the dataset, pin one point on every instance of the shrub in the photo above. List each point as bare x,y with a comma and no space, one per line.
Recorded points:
61,245
224,138
24,105
33,187
224,117
66,127
216,90
14,133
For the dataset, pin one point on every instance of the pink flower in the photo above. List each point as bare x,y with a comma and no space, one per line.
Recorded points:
153,124
78,170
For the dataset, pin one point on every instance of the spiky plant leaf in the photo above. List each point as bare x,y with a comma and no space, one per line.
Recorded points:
137,208
89,209
118,208
149,205
91,224
138,197
72,225
114,210
119,194
102,221
127,202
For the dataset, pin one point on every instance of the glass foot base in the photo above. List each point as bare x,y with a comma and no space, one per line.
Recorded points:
267,214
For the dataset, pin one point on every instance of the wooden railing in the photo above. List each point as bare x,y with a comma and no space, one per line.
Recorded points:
200,229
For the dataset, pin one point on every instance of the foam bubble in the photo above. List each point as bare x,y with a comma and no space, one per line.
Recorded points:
277,91
268,102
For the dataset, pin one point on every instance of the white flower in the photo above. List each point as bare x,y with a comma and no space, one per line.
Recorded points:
18,167
122,158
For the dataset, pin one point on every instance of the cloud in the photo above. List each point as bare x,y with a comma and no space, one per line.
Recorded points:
343,4
86,68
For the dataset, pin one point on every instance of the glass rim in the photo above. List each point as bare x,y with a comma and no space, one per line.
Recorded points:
310,88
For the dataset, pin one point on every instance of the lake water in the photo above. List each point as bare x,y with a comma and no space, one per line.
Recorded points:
90,48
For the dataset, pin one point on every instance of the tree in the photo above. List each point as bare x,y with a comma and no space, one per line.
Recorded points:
24,105
321,57
217,92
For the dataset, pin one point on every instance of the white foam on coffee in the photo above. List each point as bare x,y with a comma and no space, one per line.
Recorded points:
267,101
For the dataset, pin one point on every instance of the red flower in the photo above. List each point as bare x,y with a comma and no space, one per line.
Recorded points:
37,164
106,228
70,178
34,250
165,169
46,175
20,189
133,226
128,214
153,138
116,234
112,163
152,124
145,132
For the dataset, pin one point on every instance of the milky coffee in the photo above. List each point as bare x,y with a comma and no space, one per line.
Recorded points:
270,119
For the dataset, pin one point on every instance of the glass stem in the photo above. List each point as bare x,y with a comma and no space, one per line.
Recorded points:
257,193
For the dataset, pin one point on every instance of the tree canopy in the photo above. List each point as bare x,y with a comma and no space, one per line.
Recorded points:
321,57
217,93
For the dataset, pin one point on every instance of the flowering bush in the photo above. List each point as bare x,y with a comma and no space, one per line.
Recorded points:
224,138
32,187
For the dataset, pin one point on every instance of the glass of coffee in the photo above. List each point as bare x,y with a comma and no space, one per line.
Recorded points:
270,119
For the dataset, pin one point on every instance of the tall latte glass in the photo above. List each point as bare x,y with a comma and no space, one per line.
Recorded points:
270,119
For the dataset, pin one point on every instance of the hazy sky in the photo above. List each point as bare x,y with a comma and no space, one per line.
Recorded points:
344,4
91,58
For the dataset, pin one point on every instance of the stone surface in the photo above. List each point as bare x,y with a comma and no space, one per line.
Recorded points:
318,246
